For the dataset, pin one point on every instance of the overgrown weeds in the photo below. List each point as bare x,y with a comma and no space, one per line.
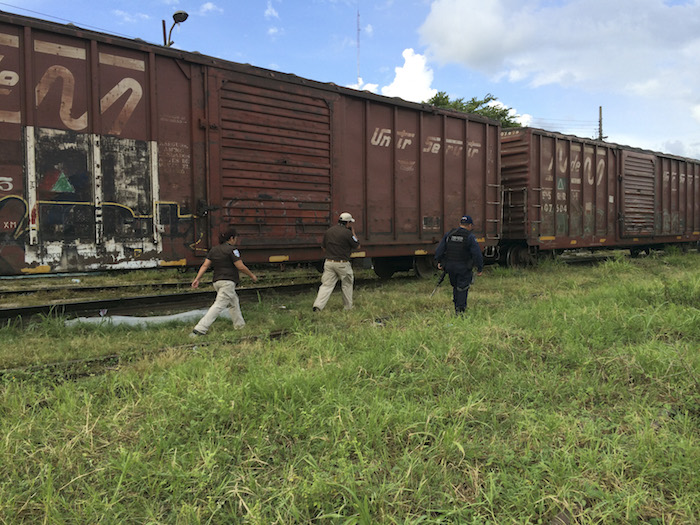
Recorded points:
564,391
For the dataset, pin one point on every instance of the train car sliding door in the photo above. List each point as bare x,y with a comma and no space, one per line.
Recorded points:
638,195
271,164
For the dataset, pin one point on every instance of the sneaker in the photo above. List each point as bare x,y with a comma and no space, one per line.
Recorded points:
194,334
317,309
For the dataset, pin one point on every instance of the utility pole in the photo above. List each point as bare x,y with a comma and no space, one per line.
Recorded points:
600,124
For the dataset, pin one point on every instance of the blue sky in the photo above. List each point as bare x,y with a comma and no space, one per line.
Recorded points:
554,62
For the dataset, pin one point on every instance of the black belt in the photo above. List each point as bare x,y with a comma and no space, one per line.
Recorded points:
337,260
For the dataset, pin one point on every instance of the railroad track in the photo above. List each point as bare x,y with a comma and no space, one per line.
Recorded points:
95,287
586,258
91,289
148,303
190,298
91,366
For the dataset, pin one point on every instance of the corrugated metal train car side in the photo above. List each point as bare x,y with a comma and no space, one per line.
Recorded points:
121,154
563,192
294,154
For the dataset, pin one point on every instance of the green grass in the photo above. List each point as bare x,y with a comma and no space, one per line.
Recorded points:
570,391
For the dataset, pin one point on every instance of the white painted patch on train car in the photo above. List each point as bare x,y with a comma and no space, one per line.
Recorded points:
98,209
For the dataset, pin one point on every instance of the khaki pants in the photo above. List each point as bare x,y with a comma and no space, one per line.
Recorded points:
332,272
226,297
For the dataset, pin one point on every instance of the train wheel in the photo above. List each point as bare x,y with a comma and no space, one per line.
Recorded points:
423,266
637,251
503,255
518,256
383,267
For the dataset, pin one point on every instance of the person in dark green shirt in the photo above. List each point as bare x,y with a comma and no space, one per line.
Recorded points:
225,259
338,243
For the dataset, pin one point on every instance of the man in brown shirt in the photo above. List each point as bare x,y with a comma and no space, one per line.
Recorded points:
226,261
338,243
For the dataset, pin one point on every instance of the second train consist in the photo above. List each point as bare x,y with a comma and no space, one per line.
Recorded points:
115,153
562,192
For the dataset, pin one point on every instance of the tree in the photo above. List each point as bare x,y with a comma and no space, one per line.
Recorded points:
483,107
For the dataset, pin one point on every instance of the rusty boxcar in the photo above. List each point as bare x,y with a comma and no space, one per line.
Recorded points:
563,192
118,154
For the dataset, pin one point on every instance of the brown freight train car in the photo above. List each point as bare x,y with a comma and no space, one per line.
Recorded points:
562,192
116,153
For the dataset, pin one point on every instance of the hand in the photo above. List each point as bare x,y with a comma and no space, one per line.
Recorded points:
439,266
195,283
479,273
254,278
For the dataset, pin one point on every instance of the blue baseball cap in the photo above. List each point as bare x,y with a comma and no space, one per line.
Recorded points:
466,220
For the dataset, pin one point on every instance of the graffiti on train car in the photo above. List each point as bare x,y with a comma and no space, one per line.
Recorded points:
13,212
89,197
568,199
65,78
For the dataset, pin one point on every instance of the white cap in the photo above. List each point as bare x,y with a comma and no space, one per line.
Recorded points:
346,217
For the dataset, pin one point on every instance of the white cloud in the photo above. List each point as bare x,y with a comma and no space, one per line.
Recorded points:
412,81
364,87
695,112
209,7
271,12
676,147
524,119
130,18
643,46
369,30
643,52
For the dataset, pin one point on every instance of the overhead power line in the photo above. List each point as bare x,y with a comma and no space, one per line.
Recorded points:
65,20
567,121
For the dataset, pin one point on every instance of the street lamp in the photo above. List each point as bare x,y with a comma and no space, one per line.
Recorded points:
178,17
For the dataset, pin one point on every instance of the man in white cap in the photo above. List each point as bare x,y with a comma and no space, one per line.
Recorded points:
338,243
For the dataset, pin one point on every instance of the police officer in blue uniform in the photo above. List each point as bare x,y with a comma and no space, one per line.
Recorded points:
459,252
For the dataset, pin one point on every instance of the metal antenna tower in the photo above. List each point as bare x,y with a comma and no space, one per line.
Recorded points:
359,79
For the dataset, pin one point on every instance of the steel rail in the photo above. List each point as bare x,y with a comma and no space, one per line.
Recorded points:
128,304
90,366
92,288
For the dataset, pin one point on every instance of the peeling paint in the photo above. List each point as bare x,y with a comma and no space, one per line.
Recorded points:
94,199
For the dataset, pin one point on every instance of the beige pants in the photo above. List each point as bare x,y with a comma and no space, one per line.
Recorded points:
226,297
332,272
